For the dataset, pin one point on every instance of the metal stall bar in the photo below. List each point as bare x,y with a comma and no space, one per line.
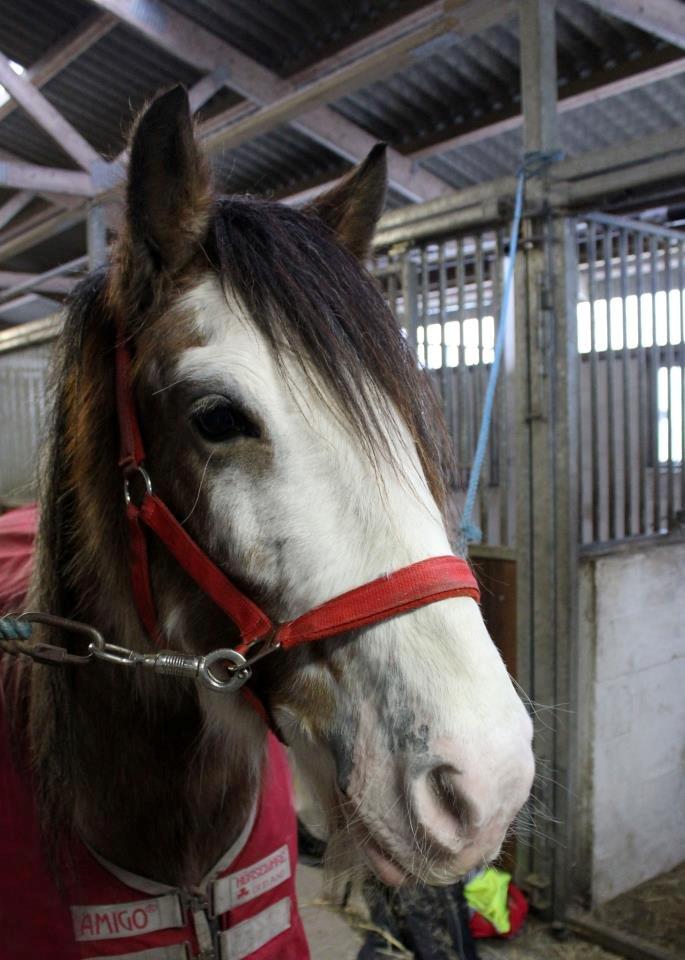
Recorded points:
463,447
500,431
594,385
654,389
448,288
681,305
669,357
446,381
626,416
607,240
581,453
425,296
480,379
642,388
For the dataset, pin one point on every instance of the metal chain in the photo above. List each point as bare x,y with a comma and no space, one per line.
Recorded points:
223,670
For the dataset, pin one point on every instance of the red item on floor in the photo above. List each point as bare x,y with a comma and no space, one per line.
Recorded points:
517,905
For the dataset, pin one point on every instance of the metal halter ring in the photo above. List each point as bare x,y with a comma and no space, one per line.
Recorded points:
238,674
129,476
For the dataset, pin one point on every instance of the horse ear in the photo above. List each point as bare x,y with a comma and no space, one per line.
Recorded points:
352,207
169,186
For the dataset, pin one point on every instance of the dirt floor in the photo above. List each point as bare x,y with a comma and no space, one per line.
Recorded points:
654,911
334,935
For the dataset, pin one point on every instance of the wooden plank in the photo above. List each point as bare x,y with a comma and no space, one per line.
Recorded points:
13,206
46,116
193,44
398,51
13,278
662,18
64,53
624,944
32,176
44,224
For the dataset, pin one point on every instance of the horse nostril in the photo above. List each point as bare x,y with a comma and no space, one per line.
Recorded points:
444,782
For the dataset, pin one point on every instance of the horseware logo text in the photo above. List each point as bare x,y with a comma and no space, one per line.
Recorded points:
115,920
250,882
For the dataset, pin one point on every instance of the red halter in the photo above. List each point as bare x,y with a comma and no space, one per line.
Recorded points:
406,589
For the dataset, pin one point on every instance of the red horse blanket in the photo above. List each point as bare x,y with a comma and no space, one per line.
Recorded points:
17,534
246,907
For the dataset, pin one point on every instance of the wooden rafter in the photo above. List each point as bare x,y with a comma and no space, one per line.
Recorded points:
39,179
64,53
46,116
395,53
662,18
13,206
186,40
12,278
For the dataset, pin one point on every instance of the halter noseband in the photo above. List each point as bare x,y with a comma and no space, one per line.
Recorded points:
388,596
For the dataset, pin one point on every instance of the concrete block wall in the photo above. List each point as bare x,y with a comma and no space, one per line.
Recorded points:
633,615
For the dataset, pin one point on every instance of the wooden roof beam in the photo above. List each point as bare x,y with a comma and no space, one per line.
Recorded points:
188,41
46,116
662,18
64,53
13,206
39,179
12,278
396,53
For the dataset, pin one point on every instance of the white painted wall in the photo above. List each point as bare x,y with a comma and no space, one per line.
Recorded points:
633,616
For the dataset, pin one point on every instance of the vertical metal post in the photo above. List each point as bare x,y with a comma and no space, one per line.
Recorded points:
669,357
96,231
463,452
594,384
681,310
642,391
655,358
546,375
410,298
625,387
610,394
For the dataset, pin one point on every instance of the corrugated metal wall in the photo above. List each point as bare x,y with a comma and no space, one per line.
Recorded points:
23,388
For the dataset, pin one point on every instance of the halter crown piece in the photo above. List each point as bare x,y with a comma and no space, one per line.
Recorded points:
403,590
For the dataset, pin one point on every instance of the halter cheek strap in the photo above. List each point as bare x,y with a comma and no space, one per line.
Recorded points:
406,589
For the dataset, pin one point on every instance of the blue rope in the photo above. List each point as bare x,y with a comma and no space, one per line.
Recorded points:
13,629
533,164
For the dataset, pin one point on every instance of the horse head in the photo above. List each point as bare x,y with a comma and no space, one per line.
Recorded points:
289,430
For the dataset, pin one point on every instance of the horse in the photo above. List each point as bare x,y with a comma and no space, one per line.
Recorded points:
291,435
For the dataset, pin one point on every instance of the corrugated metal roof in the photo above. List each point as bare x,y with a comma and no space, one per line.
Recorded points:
288,36
610,122
98,94
451,86
460,82
29,28
274,163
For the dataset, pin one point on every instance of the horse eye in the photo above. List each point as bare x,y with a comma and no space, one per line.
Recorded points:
219,420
